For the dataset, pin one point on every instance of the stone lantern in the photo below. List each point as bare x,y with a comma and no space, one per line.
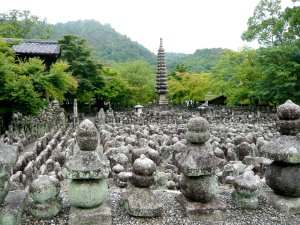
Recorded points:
138,109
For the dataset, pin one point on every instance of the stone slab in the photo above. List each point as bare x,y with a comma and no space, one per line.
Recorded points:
211,211
285,205
141,202
100,215
12,208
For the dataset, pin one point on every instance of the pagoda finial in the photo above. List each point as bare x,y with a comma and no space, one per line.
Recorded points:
161,43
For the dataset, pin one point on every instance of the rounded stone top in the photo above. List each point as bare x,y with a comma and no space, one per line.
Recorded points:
247,181
143,166
87,136
118,168
288,111
44,188
198,124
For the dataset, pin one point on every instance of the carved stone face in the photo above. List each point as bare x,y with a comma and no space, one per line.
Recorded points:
87,138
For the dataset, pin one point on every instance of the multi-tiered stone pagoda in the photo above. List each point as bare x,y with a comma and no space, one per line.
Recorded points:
161,77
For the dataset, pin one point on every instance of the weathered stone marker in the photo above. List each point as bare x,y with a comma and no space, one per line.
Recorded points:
44,200
88,186
13,202
199,185
246,190
140,201
283,175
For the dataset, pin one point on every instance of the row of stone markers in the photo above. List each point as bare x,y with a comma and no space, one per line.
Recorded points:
88,169
198,163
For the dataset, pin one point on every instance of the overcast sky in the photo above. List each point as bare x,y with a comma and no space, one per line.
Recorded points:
184,25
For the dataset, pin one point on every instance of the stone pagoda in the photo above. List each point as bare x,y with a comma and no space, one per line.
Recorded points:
283,174
198,164
161,77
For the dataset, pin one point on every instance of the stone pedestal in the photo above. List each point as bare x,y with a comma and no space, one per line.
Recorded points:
141,202
88,173
90,216
284,204
212,210
199,185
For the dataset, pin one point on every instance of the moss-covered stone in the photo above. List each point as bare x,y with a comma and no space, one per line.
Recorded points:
45,210
87,193
200,189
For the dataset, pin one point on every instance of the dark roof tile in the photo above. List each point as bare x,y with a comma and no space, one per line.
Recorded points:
37,48
33,46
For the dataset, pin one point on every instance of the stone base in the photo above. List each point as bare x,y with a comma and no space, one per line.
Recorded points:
196,210
245,202
12,209
45,210
285,205
100,215
141,202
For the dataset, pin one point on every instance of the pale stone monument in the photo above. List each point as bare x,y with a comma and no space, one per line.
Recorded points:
138,110
88,173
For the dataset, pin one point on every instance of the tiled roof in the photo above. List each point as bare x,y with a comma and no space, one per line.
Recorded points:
37,47
32,46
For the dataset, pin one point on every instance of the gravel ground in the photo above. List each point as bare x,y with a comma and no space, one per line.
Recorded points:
172,214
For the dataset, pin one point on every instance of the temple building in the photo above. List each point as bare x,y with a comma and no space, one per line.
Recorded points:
161,77
46,50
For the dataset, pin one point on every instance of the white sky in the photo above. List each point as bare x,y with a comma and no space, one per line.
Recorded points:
184,25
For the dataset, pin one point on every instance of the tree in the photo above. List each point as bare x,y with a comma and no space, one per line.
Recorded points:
185,86
280,68
25,85
140,77
17,24
116,89
86,69
235,76
270,26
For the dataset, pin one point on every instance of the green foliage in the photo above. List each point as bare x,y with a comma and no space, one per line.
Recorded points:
84,67
201,61
59,82
17,24
109,45
20,96
25,85
139,77
280,68
184,86
270,25
116,90
235,76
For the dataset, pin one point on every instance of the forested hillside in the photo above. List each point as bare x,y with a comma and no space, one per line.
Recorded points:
109,45
200,61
